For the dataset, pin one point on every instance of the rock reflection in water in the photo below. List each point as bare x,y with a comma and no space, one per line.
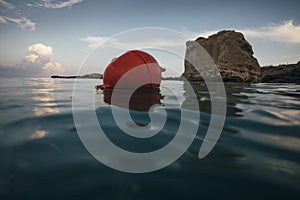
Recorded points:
234,95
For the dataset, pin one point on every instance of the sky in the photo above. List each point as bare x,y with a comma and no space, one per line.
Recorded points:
45,37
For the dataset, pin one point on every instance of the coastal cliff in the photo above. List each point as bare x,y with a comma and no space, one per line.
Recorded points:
289,73
232,54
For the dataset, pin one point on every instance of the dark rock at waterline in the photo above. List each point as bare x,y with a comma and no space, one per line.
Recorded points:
91,76
230,52
289,73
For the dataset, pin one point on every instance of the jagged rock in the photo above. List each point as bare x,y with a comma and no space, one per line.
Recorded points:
281,74
229,50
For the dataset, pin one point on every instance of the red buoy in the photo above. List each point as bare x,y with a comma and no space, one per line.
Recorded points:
142,66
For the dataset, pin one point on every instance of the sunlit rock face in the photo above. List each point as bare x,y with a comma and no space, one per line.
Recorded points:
229,50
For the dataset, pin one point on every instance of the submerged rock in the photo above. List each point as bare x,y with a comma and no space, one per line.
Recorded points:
230,51
281,74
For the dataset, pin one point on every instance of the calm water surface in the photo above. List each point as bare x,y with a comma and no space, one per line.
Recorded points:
42,157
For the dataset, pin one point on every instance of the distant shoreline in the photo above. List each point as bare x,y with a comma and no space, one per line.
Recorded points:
58,76
91,76
100,76
289,73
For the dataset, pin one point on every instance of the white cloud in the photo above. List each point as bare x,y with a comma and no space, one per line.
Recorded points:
204,34
99,41
36,63
2,20
39,58
6,5
32,58
195,35
53,68
38,53
94,41
23,22
283,32
54,4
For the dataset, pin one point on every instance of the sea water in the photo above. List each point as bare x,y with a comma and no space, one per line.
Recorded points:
42,156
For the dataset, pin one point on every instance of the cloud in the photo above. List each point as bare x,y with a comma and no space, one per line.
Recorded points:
6,5
36,63
2,20
96,41
195,35
204,34
54,4
53,68
39,57
283,32
23,22
38,53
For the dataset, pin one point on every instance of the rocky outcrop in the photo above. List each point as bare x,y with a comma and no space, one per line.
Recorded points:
281,74
229,50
